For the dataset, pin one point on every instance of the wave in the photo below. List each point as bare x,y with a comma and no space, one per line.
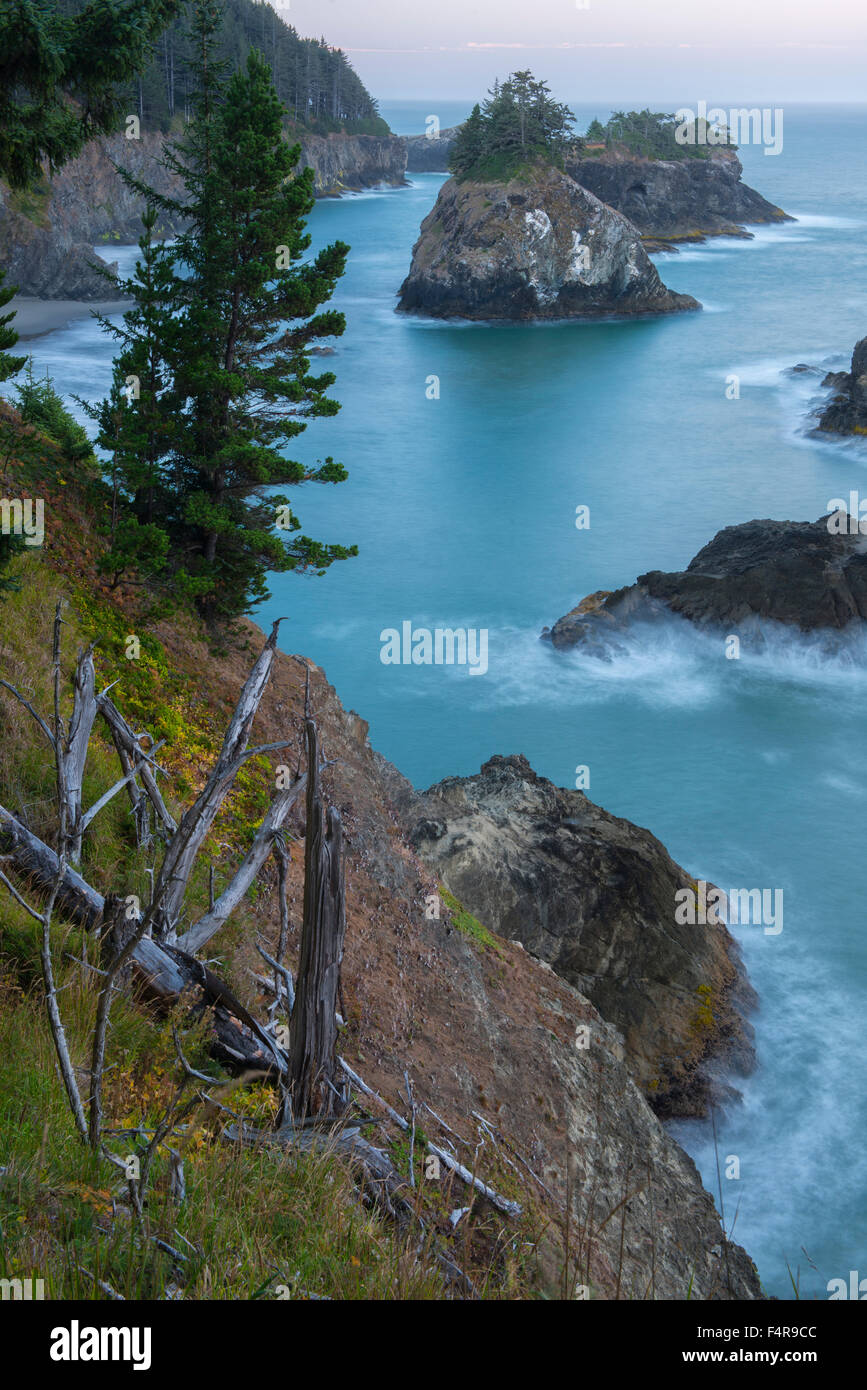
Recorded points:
670,663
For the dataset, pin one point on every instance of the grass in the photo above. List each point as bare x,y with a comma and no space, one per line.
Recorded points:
469,925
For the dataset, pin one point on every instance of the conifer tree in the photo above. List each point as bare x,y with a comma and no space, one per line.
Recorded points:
238,307
9,364
60,76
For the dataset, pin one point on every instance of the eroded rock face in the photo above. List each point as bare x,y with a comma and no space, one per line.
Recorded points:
804,573
425,154
47,240
595,897
847,412
348,163
676,200
543,249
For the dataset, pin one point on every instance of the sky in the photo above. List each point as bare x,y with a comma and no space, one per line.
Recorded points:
772,51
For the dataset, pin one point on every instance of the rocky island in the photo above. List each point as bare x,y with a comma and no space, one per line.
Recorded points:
672,193
513,236
810,575
846,413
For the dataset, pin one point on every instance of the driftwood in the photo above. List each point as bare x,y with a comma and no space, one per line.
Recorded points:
313,1025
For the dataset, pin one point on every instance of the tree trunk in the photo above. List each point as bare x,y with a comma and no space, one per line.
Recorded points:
313,1027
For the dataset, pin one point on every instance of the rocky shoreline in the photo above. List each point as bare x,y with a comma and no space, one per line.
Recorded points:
846,413
669,201
674,201
594,897
47,236
807,575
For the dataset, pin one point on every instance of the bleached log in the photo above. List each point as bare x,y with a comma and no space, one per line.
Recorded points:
130,743
206,927
113,791
73,748
32,857
503,1204
171,885
313,1027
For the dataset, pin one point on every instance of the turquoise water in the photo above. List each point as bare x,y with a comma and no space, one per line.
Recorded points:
751,772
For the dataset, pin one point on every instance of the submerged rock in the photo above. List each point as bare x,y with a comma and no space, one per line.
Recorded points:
847,412
536,247
595,897
809,574
676,200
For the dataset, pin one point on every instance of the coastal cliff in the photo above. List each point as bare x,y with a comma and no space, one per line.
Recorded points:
48,235
594,896
809,575
430,990
537,246
675,200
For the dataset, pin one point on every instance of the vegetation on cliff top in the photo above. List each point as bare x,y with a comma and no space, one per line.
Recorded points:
315,82
652,135
518,124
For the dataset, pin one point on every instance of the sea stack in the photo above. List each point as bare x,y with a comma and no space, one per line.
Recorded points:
534,246
847,411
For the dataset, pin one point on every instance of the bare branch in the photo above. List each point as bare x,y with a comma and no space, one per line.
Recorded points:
206,927
27,705
112,791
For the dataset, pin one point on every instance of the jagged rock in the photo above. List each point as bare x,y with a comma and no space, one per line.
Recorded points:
537,248
676,200
595,897
348,163
430,154
47,236
810,574
847,412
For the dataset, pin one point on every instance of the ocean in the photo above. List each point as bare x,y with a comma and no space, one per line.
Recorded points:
751,772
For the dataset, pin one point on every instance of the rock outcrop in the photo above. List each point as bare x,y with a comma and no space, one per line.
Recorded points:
540,247
846,413
670,201
595,897
349,163
809,574
426,154
47,236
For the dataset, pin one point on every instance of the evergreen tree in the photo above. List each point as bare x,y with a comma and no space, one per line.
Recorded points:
595,133
468,148
9,364
60,75
230,309
518,122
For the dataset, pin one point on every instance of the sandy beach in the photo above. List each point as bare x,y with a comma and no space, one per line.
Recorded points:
33,317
